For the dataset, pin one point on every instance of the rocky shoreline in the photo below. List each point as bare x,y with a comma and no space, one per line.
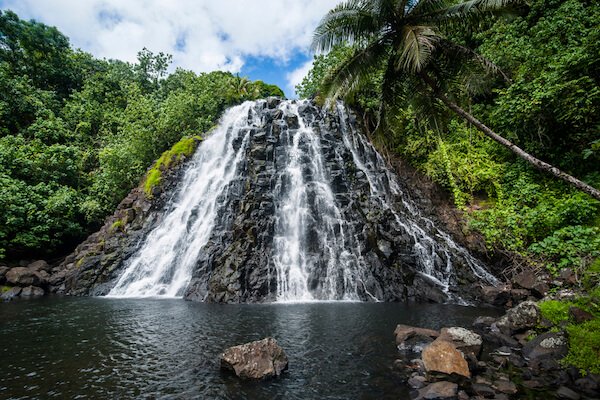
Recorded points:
515,356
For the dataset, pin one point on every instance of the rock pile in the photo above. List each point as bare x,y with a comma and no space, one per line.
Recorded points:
501,358
30,280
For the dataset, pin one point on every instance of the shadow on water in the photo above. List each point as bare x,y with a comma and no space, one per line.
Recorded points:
128,348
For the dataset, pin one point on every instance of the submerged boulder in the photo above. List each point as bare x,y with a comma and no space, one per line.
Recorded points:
255,360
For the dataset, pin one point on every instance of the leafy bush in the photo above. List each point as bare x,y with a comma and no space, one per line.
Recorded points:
78,133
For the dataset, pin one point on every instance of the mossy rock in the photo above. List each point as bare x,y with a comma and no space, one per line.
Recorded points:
184,148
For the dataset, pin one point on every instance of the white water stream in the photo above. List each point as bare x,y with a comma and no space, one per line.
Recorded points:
315,251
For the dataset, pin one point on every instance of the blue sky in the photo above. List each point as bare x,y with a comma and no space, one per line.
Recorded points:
261,39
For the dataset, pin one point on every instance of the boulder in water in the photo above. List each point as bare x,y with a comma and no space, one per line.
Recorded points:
463,339
404,332
11,293
255,360
32,291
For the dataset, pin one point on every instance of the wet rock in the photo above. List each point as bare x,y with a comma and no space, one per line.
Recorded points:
32,291
568,276
3,271
463,339
438,391
580,315
530,281
483,390
589,384
39,265
11,293
404,332
497,296
500,339
442,356
549,345
524,316
505,387
417,382
564,392
255,360
483,324
24,276
518,295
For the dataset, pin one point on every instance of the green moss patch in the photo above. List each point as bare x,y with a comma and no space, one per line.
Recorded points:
185,147
584,346
555,311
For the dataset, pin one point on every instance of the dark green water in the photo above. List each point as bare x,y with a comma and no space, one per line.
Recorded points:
95,348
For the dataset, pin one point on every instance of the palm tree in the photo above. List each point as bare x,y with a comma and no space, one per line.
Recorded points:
406,38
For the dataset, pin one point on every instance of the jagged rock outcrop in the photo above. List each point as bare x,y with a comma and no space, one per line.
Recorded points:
354,215
94,265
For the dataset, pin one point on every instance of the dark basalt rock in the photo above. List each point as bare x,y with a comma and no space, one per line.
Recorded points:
236,265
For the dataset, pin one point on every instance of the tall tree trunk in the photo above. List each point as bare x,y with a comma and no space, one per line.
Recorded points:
537,163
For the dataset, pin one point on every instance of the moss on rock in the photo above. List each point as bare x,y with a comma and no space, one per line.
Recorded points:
185,147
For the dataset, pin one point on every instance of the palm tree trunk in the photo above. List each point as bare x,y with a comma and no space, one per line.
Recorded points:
537,163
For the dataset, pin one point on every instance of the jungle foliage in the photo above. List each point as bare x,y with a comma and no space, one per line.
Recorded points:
77,133
547,103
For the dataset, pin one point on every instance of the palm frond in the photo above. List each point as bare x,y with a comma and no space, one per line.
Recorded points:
416,45
355,71
454,49
468,14
349,22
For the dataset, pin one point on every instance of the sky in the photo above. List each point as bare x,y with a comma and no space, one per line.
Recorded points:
261,39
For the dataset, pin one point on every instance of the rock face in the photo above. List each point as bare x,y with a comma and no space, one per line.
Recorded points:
255,360
354,216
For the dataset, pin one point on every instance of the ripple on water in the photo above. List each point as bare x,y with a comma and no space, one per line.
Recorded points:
107,348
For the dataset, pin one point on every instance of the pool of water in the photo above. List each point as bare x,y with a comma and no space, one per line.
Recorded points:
148,348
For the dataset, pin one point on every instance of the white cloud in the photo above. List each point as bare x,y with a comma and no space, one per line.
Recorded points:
202,35
295,77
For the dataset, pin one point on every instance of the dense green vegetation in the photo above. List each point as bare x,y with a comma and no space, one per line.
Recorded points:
77,133
550,53
584,337
538,86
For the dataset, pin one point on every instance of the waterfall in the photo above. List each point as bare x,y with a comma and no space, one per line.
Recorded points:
284,201
434,260
163,264
308,220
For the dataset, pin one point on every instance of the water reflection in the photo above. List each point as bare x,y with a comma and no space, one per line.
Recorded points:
106,348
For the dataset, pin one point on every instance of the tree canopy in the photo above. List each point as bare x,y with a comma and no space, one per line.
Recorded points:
77,133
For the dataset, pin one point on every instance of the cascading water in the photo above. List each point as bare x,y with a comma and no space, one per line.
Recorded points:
434,259
288,202
164,262
310,230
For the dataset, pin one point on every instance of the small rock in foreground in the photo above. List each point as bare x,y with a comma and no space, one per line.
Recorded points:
255,360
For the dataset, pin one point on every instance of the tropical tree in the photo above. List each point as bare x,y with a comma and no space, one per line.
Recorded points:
409,38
